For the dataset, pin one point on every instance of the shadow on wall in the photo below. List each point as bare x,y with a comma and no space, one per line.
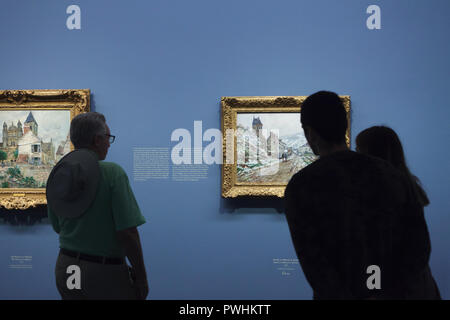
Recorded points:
250,205
24,217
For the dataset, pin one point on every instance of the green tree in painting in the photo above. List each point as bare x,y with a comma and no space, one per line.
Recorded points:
29,182
3,155
5,184
14,172
16,154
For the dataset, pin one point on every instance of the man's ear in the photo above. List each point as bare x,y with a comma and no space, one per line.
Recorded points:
309,134
96,141
314,135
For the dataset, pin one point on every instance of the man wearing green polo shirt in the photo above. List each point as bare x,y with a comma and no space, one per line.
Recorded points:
99,239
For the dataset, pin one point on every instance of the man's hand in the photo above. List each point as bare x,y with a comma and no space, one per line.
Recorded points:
141,290
129,238
140,285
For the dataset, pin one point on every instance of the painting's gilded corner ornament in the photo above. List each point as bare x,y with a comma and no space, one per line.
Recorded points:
17,97
80,98
228,102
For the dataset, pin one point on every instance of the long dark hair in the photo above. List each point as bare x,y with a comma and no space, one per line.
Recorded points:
383,142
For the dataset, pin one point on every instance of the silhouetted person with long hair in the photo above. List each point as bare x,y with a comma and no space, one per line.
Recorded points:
382,142
355,226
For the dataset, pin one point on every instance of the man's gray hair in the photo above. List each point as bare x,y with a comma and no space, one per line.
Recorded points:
84,127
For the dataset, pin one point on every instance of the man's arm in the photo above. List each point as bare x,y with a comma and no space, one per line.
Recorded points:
130,240
127,216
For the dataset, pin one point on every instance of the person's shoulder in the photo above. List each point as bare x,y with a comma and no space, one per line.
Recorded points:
110,165
302,177
111,168
332,167
322,165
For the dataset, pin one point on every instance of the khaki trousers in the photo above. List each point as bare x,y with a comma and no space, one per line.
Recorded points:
98,281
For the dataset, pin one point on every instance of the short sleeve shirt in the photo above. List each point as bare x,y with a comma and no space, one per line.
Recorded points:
114,208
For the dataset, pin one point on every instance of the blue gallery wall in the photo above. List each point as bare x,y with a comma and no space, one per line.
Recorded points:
154,66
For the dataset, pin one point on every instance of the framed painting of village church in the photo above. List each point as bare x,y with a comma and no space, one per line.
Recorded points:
264,144
34,135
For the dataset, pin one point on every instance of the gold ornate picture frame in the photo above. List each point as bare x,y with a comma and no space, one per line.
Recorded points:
35,135
248,161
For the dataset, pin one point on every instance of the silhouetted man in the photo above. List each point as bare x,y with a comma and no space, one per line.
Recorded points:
349,212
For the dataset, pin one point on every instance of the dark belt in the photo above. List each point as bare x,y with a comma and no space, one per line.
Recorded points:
91,258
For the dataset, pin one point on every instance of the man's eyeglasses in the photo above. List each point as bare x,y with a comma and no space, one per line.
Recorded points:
111,138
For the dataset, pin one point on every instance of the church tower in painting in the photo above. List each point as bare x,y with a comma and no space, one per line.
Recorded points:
30,125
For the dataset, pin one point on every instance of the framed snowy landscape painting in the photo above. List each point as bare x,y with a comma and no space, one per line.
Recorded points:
34,136
264,144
